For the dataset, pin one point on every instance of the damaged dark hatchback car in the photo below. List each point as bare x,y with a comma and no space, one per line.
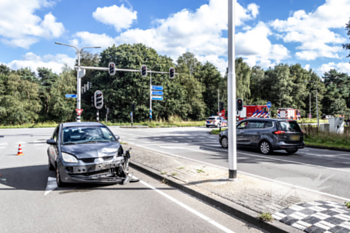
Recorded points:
87,152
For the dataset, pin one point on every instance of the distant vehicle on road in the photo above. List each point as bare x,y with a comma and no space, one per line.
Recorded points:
267,135
213,121
87,153
288,113
253,111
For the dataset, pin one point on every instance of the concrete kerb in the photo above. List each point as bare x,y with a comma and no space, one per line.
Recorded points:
220,203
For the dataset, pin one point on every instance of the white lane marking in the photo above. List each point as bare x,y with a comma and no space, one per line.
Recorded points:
249,174
289,161
202,216
2,147
3,144
182,148
51,185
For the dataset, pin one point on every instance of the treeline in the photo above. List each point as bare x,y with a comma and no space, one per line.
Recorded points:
193,94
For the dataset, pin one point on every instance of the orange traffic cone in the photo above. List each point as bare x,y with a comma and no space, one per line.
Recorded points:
20,150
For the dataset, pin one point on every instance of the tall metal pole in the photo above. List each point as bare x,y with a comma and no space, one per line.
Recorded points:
78,73
218,101
78,86
231,92
318,123
150,97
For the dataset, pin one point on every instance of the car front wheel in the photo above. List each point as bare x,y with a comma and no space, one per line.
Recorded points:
58,178
265,147
224,142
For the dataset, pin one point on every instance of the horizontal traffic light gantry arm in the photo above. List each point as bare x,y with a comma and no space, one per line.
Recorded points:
117,69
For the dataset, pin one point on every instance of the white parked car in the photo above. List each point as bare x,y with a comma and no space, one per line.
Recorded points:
213,121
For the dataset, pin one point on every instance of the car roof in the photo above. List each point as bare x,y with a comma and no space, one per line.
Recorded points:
75,124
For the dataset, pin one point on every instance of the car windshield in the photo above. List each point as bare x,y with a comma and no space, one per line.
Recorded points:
87,134
289,126
211,118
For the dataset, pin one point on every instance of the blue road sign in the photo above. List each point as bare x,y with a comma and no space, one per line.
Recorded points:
157,88
71,96
157,97
157,93
269,104
131,114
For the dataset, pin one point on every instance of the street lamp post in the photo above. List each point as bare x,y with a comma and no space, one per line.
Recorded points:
231,92
78,73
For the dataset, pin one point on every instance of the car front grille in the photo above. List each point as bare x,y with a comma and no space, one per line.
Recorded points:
91,160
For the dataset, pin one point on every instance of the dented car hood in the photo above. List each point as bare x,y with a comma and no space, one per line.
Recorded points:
92,150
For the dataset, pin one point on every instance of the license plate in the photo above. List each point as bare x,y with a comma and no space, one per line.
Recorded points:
295,137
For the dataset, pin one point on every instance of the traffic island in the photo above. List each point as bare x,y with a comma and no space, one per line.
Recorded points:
248,197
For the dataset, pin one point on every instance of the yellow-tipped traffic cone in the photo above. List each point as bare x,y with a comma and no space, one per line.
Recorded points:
20,152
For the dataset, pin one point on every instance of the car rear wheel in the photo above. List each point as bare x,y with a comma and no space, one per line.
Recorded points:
265,147
224,142
291,151
51,168
58,178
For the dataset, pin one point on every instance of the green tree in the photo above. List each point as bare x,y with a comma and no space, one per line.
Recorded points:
19,100
347,45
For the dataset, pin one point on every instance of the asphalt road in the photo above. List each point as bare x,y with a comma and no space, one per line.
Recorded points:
31,202
317,170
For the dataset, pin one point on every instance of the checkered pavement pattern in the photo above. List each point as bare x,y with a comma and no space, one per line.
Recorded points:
316,217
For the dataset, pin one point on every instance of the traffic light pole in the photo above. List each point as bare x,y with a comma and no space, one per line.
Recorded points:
231,93
79,74
150,98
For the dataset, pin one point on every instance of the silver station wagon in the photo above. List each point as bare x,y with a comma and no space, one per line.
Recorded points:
267,135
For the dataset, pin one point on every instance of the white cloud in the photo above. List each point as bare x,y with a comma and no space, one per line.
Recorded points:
119,17
313,30
200,32
33,61
20,27
307,67
343,67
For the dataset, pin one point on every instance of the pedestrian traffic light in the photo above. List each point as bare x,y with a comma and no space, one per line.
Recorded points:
239,105
111,68
92,101
98,99
172,72
133,107
143,70
221,106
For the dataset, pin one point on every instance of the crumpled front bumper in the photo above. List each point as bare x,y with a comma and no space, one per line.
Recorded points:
93,172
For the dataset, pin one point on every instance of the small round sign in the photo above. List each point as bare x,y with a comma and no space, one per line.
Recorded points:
269,104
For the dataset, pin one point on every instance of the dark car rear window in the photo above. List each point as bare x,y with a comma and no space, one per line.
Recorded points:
289,126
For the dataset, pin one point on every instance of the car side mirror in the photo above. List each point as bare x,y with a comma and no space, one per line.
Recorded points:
51,142
117,137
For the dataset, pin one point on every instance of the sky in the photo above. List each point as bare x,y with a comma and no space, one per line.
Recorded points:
267,32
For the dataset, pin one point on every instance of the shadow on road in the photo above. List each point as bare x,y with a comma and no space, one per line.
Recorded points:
34,178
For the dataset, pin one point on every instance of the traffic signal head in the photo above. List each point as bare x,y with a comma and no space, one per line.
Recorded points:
133,107
98,99
239,105
92,101
172,72
143,70
90,85
111,68
87,86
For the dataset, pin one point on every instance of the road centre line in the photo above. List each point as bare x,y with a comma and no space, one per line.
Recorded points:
182,148
202,216
249,174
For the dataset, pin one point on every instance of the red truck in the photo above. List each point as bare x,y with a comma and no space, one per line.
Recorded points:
250,111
